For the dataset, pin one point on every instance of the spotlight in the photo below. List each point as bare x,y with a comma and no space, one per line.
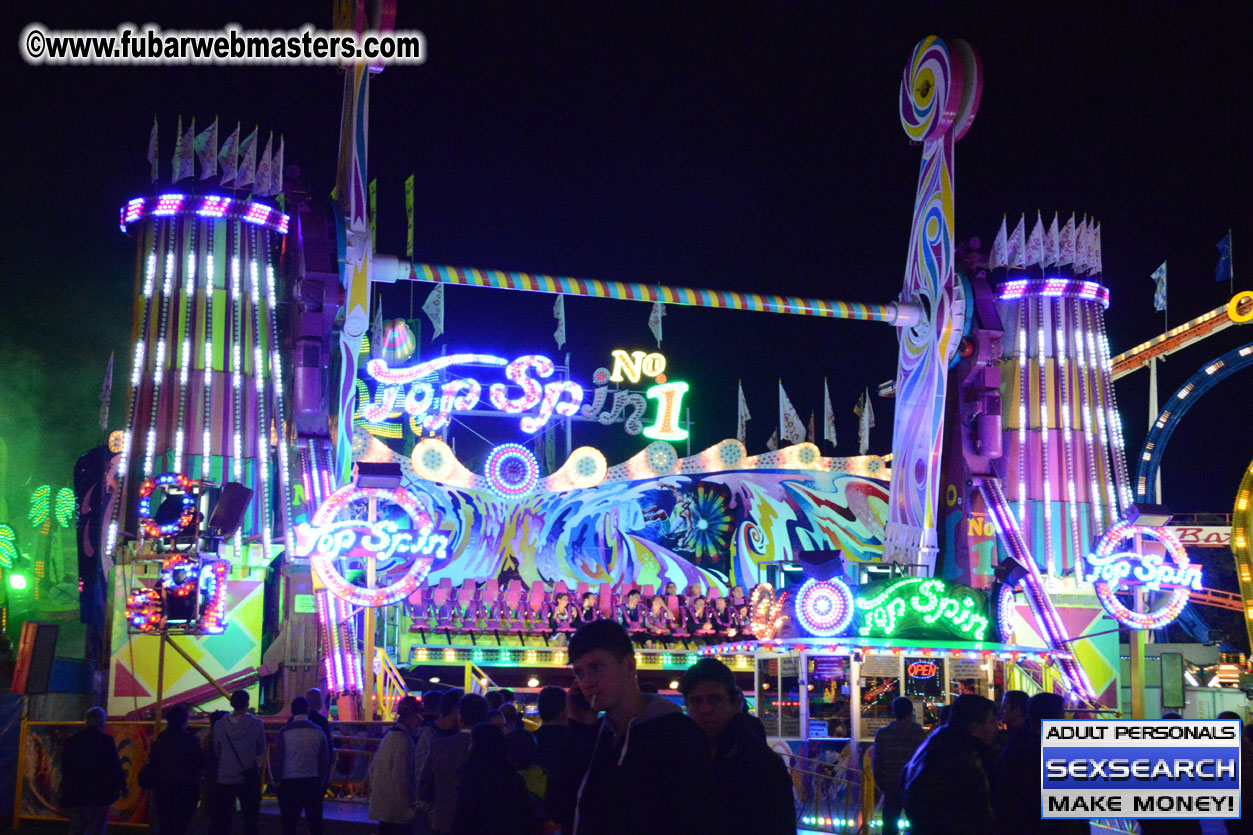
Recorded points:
674,684
433,679
532,682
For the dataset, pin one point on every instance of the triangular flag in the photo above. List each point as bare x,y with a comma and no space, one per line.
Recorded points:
790,426
654,320
1081,247
773,442
810,436
152,149
1068,243
246,175
376,329
1035,243
263,169
1223,272
1159,287
1052,244
433,307
1000,245
828,416
865,422
229,157
183,154
409,224
1095,267
559,311
106,393
1017,252
276,170
207,150
742,416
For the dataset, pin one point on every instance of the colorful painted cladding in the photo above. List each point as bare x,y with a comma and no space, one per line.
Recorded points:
710,529
204,362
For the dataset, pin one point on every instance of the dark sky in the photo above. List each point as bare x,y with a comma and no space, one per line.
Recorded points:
751,146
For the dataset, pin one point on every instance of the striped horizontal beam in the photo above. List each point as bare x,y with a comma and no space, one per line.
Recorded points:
388,270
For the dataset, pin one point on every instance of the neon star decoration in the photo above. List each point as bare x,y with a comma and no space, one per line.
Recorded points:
328,540
511,470
924,607
824,607
1112,571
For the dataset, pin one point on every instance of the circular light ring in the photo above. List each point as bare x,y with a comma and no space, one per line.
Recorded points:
149,525
587,466
433,460
324,564
511,471
185,562
730,454
1163,614
1005,611
660,457
824,607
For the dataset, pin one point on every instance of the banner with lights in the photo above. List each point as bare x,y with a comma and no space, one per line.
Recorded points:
1114,570
920,607
427,394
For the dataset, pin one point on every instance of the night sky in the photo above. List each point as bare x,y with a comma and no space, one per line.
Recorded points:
748,146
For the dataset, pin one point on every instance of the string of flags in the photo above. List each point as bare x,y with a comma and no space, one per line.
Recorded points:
234,162
1077,246
792,429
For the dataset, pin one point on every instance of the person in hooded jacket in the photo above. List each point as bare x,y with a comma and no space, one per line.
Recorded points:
945,786
393,783
91,776
894,745
1016,783
643,755
492,798
752,783
175,762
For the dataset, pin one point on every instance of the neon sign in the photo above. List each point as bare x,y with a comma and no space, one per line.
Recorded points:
1114,570
414,393
328,540
923,669
824,607
922,607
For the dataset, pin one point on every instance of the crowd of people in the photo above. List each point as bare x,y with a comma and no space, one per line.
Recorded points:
607,758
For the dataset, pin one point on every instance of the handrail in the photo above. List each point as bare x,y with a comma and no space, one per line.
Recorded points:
389,685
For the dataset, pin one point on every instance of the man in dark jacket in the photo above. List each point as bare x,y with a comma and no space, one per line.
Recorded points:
91,776
317,717
894,745
1016,782
175,762
301,767
642,756
749,778
551,734
945,785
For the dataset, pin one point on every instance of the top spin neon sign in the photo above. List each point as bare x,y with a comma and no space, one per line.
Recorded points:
429,405
1151,570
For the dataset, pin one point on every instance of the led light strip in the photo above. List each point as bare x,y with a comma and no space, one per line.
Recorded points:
235,245
209,206
1042,326
1115,420
210,279
132,397
1060,344
1084,381
158,360
263,427
276,371
185,327
1099,405
1024,398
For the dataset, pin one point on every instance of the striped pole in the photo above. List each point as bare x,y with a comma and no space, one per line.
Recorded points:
388,269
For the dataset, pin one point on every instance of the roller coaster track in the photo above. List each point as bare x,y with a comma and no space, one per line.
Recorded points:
1177,338
1217,598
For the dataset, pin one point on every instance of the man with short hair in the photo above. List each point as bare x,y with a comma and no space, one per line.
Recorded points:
438,782
238,747
1016,782
644,755
1013,710
317,717
945,785
91,776
894,745
749,778
551,734
430,706
301,767
392,780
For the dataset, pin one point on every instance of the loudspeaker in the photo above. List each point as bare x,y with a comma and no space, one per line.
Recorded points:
1010,572
229,512
34,658
821,564
381,475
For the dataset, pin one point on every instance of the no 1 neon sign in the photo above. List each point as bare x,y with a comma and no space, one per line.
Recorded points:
328,540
